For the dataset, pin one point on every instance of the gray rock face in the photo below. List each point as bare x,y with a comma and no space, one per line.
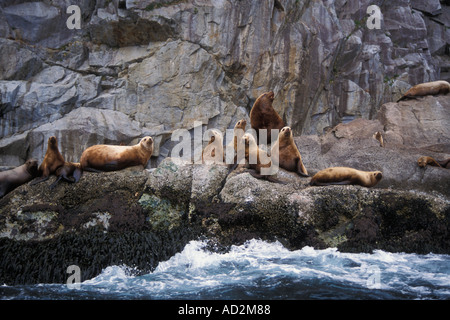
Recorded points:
165,64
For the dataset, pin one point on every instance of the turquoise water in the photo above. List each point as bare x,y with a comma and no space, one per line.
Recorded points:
262,270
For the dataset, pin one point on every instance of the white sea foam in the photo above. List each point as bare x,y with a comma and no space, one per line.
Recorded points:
267,270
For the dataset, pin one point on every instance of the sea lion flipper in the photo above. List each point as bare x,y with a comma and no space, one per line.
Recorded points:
301,170
68,179
330,183
39,180
92,170
255,174
344,182
53,185
77,174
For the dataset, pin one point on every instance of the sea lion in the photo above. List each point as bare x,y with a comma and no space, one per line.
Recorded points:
70,171
52,161
264,116
344,175
11,179
213,152
424,161
254,156
427,88
378,136
104,157
286,150
238,132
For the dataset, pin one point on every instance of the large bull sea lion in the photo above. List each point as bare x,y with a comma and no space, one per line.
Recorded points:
264,116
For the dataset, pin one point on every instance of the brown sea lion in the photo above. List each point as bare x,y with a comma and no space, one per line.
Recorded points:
232,147
424,161
11,179
427,88
52,161
213,152
286,150
259,162
264,116
378,136
103,157
344,175
238,132
70,171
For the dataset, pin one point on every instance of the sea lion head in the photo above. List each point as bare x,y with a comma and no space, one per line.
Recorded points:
422,162
147,143
216,134
286,132
241,124
31,166
377,175
265,98
52,141
270,95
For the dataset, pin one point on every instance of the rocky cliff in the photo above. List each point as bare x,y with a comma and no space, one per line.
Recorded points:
149,67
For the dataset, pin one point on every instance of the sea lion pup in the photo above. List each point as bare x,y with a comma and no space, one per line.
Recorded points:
254,155
379,137
52,161
427,88
11,179
213,152
238,132
264,116
104,157
70,171
424,161
232,147
344,175
286,151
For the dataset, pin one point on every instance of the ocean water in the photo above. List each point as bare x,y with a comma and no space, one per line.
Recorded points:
262,270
